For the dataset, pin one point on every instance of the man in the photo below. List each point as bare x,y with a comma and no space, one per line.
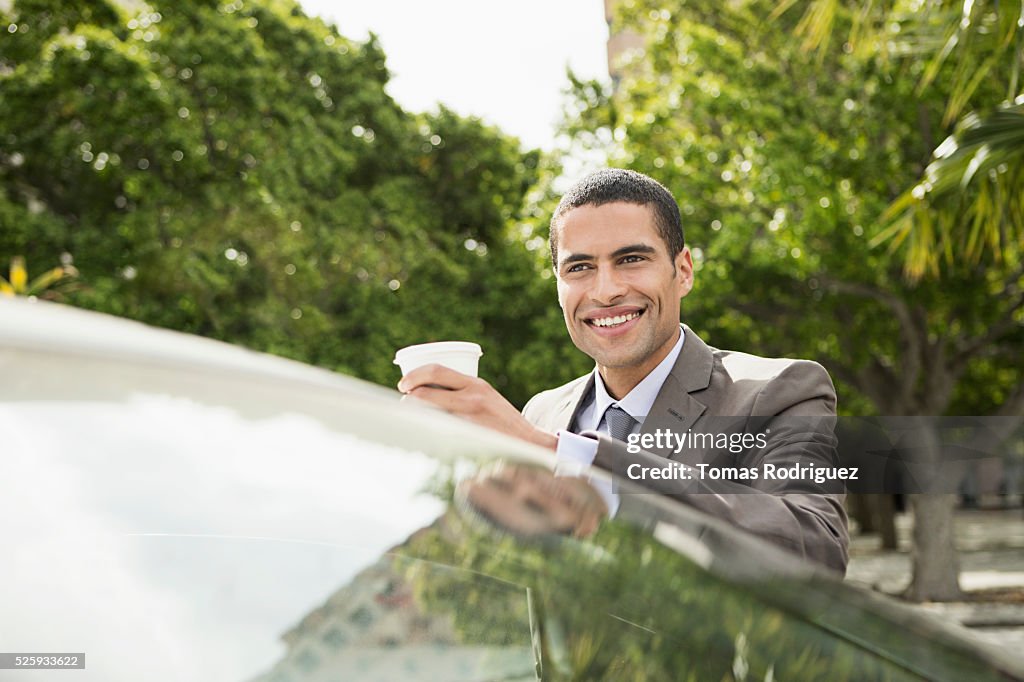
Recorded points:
622,269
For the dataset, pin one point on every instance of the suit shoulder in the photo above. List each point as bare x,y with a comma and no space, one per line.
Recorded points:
779,384
747,367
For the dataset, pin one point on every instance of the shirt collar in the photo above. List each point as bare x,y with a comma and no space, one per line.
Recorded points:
637,403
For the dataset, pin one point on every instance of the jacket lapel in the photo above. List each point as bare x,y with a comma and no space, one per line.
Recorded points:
566,411
675,409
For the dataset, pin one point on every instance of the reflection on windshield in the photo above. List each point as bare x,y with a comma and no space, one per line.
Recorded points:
529,501
279,549
617,606
181,526
376,628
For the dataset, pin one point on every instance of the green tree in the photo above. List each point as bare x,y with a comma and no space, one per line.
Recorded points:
784,162
237,170
966,203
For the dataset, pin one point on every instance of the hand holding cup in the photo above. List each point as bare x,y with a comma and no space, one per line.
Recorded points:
444,374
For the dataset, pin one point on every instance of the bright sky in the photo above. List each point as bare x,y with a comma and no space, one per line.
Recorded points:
502,61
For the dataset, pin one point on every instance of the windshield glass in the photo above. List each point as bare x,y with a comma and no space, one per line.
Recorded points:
173,524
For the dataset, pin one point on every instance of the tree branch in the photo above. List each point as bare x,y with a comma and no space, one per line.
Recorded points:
912,340
967,350
1014,405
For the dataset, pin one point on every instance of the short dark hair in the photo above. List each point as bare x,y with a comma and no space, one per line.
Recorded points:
618,184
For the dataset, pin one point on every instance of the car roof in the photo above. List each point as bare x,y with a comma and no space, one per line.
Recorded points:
38,327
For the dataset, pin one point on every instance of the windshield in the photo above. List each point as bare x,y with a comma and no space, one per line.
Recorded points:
172,523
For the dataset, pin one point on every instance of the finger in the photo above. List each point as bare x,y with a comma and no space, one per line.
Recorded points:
413,400
439,397
435,374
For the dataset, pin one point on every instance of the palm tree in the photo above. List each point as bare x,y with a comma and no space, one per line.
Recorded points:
968,205
18,284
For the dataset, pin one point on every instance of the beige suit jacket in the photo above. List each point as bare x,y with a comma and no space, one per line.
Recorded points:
715,390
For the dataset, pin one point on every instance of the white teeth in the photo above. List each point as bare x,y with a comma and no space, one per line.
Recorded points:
612,321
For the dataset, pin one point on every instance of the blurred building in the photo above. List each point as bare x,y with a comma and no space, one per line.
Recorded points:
620,42
372,629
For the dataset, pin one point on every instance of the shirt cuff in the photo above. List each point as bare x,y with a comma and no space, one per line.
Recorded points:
573,455
575,449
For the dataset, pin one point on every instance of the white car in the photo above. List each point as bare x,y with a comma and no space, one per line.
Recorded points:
175,508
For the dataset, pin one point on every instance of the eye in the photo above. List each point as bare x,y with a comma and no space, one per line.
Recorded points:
633,259
578,267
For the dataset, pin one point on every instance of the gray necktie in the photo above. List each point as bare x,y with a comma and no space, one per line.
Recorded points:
620,424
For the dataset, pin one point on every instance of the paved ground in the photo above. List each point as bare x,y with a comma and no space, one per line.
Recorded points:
992,572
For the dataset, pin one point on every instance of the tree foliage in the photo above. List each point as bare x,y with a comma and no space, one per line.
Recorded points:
966,203
238,170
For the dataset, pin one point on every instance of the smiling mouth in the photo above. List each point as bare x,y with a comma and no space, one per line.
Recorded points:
613,321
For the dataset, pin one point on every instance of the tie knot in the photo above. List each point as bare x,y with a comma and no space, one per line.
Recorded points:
620,424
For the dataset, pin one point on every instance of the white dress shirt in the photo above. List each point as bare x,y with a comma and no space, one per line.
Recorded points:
576,452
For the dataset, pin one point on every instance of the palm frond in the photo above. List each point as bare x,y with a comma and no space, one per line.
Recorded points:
973,187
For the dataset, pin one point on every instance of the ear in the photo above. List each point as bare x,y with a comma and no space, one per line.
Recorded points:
684,272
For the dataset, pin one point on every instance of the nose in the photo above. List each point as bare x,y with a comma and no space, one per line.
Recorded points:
608,287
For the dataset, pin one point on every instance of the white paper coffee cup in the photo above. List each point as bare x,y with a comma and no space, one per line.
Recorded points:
462,356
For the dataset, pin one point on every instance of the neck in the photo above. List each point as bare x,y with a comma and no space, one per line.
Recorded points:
619,381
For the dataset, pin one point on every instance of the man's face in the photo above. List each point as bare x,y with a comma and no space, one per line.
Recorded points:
617,286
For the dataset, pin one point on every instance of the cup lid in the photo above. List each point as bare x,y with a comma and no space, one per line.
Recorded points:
467,347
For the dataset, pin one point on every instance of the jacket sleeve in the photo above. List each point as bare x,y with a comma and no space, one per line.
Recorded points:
799,515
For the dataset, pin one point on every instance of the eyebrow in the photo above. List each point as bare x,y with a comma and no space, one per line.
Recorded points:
618,253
